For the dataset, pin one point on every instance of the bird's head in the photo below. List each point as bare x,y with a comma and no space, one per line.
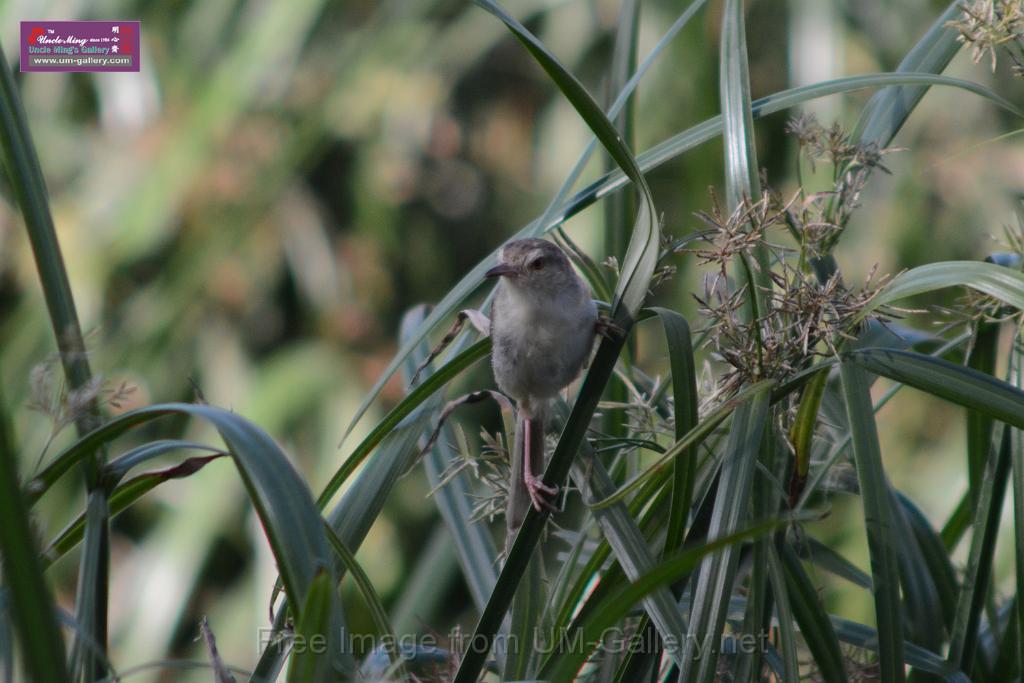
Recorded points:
533,265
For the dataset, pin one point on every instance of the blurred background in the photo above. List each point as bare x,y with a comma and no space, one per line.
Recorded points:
252,213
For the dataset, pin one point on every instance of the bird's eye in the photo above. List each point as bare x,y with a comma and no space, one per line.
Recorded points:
537,264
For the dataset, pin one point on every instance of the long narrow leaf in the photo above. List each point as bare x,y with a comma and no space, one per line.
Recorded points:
30,607
714,580
887,111
874,491
950,381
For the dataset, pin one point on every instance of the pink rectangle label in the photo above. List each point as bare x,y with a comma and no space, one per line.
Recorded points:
95,46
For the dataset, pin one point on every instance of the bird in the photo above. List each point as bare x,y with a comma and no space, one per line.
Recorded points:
542,327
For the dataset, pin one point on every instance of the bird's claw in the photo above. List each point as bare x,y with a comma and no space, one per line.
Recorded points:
608,329
539,491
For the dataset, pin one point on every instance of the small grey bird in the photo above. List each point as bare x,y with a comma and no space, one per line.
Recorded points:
543,323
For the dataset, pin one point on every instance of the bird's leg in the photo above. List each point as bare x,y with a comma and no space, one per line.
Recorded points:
607,328
533,464
477,319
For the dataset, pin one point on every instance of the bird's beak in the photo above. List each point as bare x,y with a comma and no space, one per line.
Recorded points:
502,269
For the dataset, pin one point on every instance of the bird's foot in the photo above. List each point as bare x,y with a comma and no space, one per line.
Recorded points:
540,493
608,329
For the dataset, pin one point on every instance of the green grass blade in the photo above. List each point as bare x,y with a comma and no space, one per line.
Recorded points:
963,644
30,604
373,602
889,109
627,543
1016,373
122,497
924,623
882,543
88,661
982,358
282,501
947,380
935,558
685,402
784,613
817,553
115,470
742,175
617,604
714,580
997,281
29,188
315,621
811,617
620,209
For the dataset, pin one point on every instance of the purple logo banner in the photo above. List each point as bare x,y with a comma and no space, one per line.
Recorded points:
95,46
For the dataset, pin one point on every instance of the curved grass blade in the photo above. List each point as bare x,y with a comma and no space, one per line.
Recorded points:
27,599
889,109
373,601
282,501
947,380
997,281
616,605
882,544
713,586
359,507
115,470
124,496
